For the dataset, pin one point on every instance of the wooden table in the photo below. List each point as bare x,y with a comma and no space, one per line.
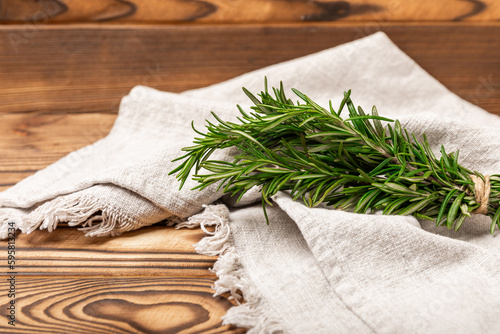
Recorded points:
64,65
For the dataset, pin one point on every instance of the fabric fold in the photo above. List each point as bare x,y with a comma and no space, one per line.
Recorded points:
394,275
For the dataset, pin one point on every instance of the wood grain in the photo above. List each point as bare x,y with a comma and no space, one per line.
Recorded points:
30,141
115,305
36,12
90,68
151,251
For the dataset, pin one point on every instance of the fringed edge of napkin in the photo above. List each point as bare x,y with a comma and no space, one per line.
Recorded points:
251,311
96,219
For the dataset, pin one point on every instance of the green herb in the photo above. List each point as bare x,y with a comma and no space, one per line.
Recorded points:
355,163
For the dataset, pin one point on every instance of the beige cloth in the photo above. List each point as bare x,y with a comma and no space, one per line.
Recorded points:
310,270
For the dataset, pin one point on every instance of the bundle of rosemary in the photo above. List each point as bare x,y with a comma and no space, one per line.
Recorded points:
355,163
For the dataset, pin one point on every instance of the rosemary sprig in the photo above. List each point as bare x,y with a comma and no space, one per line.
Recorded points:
355,163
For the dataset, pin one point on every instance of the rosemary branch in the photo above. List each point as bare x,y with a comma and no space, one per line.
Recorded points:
355,163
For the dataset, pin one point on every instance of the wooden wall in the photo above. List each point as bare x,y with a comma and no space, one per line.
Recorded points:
246,11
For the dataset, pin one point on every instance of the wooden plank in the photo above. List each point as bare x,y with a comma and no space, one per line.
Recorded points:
30,141
72,69
151,251
114,305
237,11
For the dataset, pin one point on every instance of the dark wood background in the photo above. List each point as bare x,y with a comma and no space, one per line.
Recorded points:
64,66
245,11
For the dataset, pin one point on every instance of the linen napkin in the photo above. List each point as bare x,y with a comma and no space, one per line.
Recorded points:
311,270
